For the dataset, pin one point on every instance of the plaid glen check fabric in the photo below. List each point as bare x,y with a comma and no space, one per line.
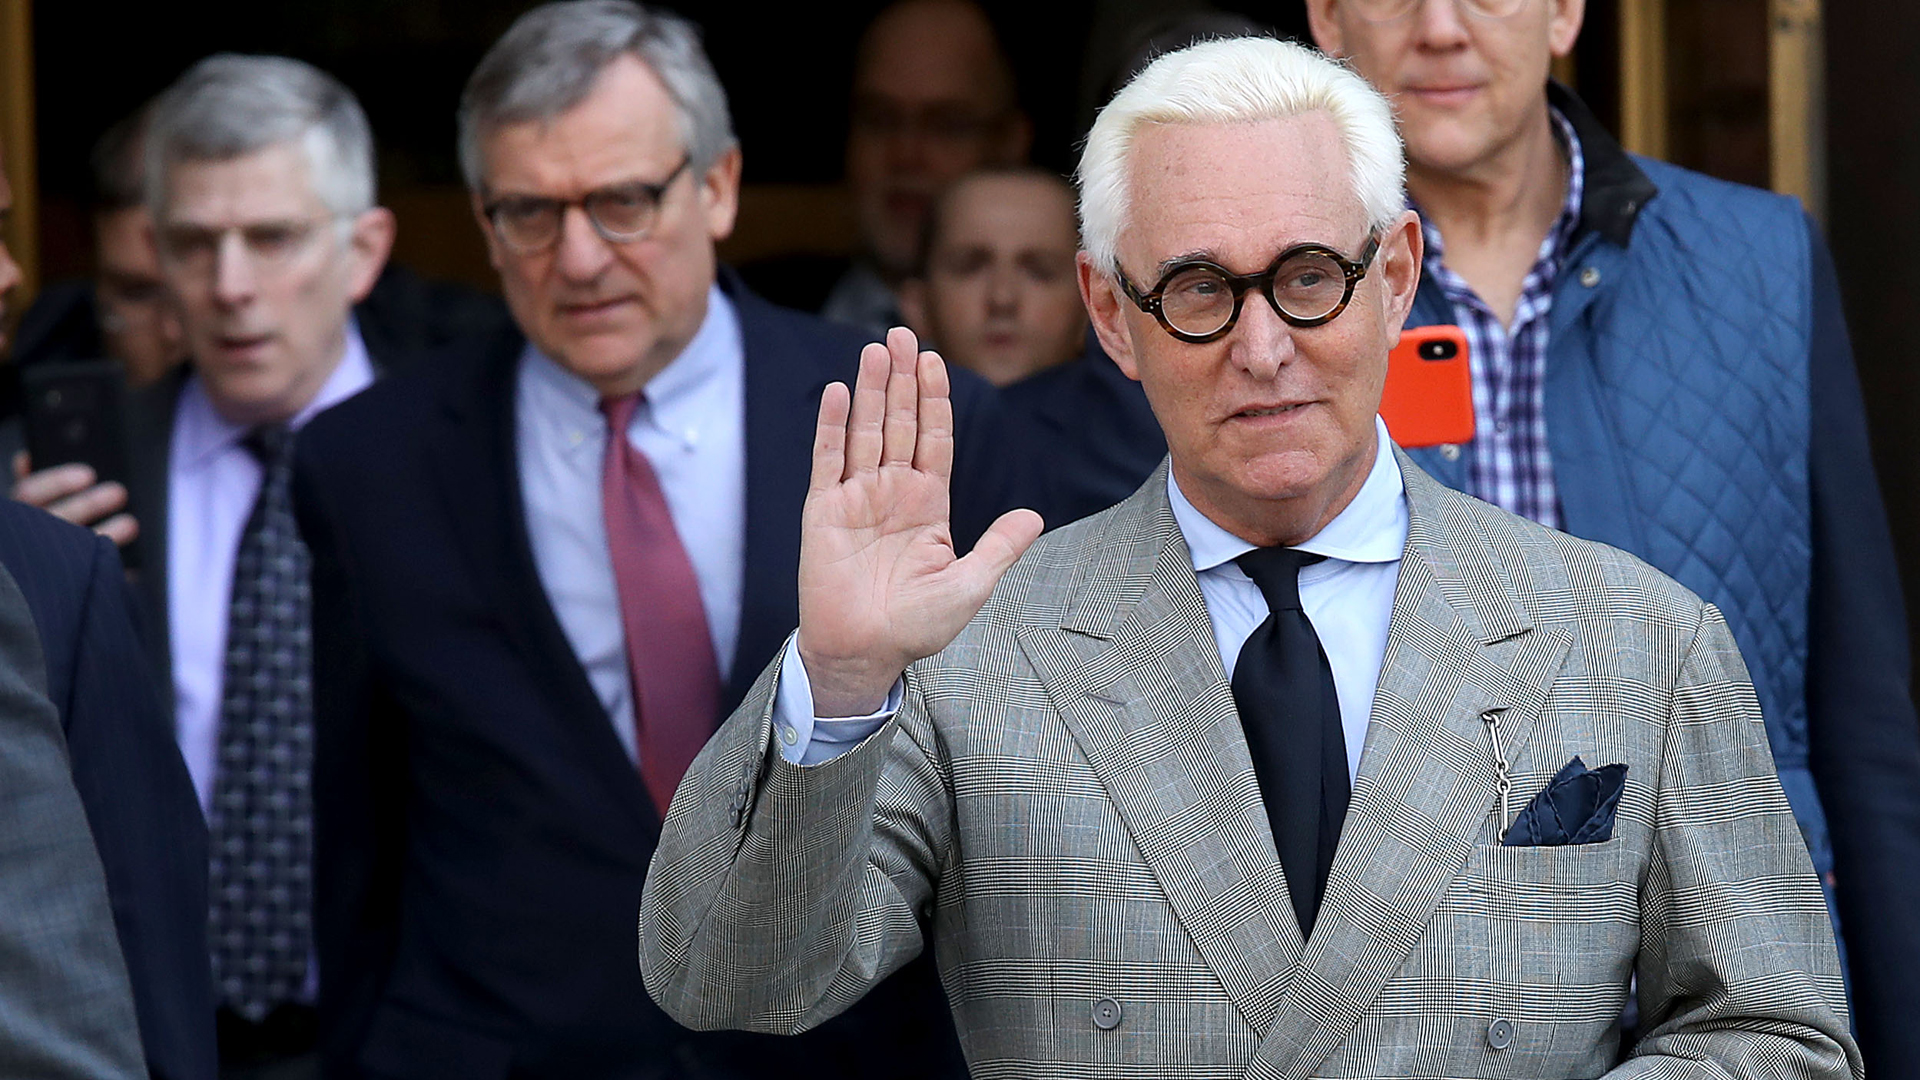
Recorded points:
260,824
1508,463
1066,810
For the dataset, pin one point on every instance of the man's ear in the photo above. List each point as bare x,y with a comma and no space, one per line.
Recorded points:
720,195
368,247
1324,27
1402,247
1103,301
1563,25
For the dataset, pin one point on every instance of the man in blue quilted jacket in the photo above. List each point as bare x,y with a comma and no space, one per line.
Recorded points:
1660,362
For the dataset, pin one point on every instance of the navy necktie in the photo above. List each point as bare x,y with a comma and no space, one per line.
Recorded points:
1290,712
260,824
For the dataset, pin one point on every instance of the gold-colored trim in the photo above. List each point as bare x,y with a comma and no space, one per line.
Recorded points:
1643,76
1796,94
16,135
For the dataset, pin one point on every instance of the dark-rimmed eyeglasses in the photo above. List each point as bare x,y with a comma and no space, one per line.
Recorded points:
1198,301
620,213
1380,11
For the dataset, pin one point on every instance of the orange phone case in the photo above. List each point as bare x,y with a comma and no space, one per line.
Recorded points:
1429,395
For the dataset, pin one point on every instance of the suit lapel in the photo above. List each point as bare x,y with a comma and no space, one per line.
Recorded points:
1459,645
1136,677
782,395
478,482
150,437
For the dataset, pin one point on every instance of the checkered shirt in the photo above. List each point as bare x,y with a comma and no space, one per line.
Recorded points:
1508,463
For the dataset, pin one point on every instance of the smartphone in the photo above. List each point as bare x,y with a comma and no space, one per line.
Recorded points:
76,413
1429,395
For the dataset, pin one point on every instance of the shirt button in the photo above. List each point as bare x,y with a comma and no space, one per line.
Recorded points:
1500,1034
788,735
1500,426
1450,451
1106,1014
1590,276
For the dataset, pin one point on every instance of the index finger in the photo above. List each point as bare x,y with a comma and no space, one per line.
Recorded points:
48,485
934,454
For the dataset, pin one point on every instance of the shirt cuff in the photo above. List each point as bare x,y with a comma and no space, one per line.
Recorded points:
806,739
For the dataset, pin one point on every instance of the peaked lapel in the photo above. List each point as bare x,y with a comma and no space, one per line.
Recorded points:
783,386
1136,677
1459,645
475,462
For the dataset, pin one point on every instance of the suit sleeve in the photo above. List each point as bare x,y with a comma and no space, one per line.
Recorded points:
755,846
358,799
1737,972
146,823
66,1010
1864,740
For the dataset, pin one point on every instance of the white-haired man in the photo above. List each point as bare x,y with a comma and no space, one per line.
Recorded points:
261,187
1239,777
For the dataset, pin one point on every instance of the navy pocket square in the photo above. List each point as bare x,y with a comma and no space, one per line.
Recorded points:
1576,807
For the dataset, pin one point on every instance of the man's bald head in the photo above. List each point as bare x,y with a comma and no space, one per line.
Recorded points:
933,98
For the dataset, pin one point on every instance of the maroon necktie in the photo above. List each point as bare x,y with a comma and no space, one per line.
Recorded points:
676,683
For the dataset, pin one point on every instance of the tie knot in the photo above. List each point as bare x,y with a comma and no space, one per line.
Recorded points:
269,443
619,410
1276,570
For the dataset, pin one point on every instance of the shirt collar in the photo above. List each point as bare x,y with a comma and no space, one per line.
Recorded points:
204,434
675,397
1372,528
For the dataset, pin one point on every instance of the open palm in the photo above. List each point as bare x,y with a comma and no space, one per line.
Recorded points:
880,583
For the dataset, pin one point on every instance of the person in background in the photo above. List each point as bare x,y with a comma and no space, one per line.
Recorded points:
1661,362
933,98
260,180
996,293
547,563
66,1008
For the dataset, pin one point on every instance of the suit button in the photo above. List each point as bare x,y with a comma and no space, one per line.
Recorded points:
1450,451
1106,1014
1500,1034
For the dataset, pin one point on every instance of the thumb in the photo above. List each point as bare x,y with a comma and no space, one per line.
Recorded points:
1002,545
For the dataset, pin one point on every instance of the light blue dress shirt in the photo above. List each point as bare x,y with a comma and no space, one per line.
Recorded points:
212,483
1348,597
692,429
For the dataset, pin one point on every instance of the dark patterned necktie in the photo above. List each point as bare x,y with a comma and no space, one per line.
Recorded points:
260,826
676,681
1290,711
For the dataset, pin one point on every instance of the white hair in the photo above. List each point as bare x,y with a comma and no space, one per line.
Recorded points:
1238,81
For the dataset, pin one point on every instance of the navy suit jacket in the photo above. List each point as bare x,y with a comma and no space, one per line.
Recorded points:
139,800
1088,436
482,837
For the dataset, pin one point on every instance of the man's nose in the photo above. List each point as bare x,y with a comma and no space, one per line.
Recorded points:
234,275
1262,342
583,252
1003,290
1440,23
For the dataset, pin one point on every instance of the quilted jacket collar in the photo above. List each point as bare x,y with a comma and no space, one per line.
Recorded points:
1617,189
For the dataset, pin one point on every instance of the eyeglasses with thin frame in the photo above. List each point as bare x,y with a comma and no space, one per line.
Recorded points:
1198,300
620,213
1381,11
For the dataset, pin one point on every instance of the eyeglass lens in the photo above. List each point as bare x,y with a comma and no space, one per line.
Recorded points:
1199,300
621,213
1388,10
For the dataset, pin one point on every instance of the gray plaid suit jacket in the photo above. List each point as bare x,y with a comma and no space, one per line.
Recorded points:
1066,805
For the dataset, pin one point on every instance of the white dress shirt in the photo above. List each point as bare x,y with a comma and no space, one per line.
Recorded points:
1348,597
212,484
691,427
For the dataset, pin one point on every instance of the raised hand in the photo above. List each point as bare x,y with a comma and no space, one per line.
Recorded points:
880,583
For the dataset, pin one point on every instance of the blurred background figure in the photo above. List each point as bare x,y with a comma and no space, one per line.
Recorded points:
933,98
123,313
260,181
995,291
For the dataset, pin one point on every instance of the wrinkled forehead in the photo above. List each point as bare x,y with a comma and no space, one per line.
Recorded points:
1240,192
